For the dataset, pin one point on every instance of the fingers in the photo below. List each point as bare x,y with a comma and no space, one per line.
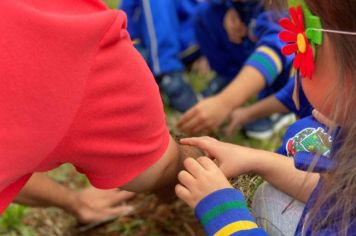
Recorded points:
193,126
200,129
193,123
118,211
188,116
193,167
206,144
184,190
88,214
184,194
118,197
235,37
233,126
324,120
186,179
201,66
207,163
201,142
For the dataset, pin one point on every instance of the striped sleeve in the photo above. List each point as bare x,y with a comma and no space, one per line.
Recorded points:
267,61
225,212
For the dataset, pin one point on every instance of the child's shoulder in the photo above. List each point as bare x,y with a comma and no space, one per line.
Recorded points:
307,123
306,135
306,139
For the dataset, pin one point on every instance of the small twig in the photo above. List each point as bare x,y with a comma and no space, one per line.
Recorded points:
189,229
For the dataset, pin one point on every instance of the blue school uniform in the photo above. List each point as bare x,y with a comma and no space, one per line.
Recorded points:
285,96
165,29
261,49
224,212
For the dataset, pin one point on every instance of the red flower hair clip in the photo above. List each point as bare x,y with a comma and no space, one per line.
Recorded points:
297,42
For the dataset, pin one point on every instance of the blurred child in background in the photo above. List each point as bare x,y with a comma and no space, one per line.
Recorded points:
240,40
281,102
164,32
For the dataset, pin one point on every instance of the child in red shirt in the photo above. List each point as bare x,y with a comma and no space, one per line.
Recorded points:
74,89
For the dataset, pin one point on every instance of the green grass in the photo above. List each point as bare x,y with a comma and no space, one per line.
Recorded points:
112,3
11,222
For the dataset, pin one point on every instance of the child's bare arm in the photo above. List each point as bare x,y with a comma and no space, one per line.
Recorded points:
164,172
278,170
244,115
88,205
265,108
282,174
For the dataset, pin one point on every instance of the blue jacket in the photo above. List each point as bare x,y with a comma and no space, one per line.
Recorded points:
285,96
165,29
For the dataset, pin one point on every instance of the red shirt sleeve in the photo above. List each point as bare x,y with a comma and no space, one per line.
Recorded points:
120,128
74,89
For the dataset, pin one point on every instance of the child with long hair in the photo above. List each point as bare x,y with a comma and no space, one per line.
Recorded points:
321,32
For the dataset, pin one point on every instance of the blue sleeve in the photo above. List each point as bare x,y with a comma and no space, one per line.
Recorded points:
228,3
267,30
267,57
285,96
130,7
225,212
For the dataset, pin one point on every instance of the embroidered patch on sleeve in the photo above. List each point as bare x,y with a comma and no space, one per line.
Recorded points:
310,140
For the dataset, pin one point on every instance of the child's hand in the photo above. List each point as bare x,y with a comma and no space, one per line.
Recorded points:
235,28
201,67
239,117
201,178
204,117
232,159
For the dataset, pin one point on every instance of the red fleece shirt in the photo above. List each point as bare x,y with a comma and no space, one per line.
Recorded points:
74,90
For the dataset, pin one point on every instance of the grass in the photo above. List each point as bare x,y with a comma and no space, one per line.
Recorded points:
11,222
112,3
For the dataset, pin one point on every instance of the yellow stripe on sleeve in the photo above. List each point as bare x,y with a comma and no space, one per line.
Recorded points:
274,56
235,227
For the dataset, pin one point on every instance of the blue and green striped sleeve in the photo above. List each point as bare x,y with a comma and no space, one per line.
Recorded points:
267,61
225,212
267,57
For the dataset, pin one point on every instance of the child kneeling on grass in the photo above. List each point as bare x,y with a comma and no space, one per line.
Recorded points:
240,41
329,192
